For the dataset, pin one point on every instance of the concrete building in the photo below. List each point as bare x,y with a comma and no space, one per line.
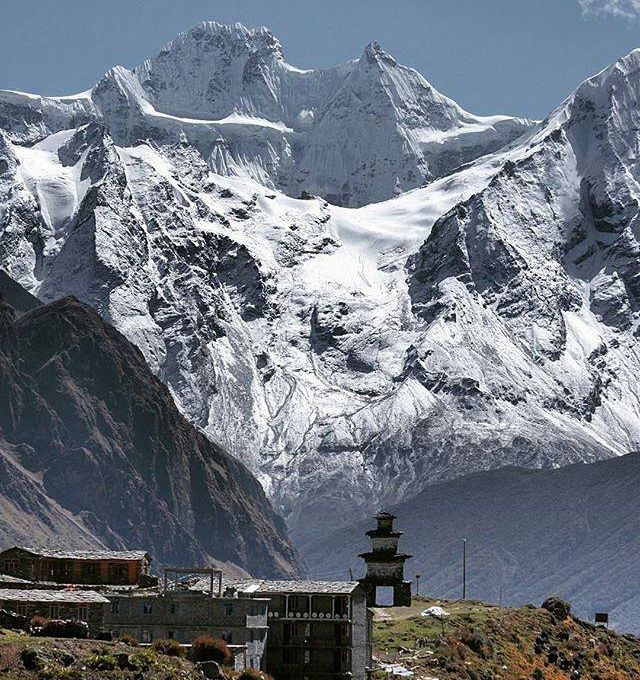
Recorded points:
385,566
318,630
93,567
81,605
185,613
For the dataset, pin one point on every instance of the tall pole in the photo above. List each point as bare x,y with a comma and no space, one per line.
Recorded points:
464,568
417,584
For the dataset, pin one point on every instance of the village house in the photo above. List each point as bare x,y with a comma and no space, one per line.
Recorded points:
81,605
317,629
91,567
184,613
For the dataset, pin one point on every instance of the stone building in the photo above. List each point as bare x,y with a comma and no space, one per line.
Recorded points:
317,629
385,565
81,605
183,614
92,567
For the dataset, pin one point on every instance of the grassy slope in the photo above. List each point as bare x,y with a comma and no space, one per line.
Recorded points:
87,660
483,642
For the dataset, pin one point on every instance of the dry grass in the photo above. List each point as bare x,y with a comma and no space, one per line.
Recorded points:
486,642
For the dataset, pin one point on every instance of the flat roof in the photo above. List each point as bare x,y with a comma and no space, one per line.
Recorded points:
126,555
62,596
261,586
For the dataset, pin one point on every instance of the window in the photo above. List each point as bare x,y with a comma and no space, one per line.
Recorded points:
115,606
118,572
307,656
54,611
147,608
287,632
21,609
10,566
289,657
83,613
227,637
90,572
146,635
173,607
228,609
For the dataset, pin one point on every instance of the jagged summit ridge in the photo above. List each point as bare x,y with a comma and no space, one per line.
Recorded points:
356,133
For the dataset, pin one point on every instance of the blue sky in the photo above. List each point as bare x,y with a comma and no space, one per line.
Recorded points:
493,56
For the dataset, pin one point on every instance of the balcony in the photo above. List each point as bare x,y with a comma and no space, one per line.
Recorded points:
256,620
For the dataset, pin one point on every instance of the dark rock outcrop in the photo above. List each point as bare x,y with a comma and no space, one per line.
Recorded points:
93,451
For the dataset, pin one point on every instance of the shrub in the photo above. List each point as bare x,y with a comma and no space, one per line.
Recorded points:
168,647
102,662
128,639
104,636
13,621
39,621
559,609
142,661
64,629
31,659
211,649
254,674
475,640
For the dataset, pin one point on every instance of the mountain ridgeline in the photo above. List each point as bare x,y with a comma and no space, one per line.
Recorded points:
354,286
94,453
530,534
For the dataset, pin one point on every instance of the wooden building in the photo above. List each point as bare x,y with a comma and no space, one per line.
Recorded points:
90,567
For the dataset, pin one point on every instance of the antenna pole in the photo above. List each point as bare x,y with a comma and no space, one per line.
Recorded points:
464,568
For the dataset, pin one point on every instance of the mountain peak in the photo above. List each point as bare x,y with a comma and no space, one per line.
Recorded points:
373,52
210,36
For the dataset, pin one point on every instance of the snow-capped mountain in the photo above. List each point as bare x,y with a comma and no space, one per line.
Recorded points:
361,132
348,356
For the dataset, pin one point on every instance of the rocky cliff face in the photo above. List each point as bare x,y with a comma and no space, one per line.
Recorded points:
348,356
94,452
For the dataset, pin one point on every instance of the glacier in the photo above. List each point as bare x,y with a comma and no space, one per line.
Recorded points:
352,284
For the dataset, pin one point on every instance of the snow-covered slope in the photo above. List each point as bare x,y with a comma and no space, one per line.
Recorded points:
349,356
361,132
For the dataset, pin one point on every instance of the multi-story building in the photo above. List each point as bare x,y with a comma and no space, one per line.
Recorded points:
184,614
318,630
93,567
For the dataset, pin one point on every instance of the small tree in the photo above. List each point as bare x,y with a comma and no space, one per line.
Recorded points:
211,649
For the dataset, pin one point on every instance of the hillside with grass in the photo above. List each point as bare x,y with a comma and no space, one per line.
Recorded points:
479,641
23,657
